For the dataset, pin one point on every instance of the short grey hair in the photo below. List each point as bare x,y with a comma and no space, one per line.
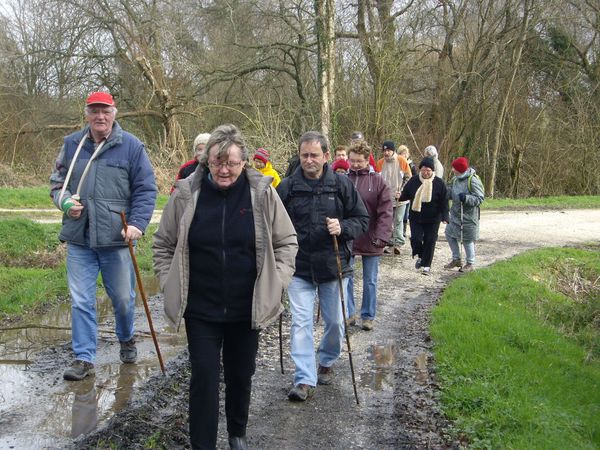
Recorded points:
314,136
224,136
430,150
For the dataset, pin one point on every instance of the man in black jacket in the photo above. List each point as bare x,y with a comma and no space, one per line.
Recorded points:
322,205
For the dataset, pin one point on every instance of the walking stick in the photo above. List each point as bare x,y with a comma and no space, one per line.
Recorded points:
461,232
143,294
339,264
281,342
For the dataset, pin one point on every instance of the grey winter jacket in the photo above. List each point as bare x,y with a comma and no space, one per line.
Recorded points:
276,247
120,178
470,214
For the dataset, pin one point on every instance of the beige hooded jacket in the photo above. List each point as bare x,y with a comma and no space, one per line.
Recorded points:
276,247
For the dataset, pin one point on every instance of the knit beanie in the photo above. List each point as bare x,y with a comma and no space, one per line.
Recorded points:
340,164
262,154
389,145
427,162
461,164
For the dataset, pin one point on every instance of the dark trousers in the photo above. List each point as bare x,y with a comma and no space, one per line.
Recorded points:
423,237
240,344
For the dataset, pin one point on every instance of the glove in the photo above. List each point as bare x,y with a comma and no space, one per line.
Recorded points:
462,197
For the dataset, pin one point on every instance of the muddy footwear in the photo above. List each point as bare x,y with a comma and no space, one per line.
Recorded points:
396,250
128,351
468,267
418,264
78,370
388,250
454,263
351,321
426,270
300,393
325,375
238,443
367,325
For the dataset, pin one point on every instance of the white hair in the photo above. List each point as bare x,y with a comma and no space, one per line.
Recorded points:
431,151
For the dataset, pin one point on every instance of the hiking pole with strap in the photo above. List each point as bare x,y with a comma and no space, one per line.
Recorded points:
143,294
339,264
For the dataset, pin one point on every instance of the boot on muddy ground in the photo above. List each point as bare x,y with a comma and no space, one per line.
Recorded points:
454,263
238,443
325,375
128,352
468,267
78,370
367,325
301,392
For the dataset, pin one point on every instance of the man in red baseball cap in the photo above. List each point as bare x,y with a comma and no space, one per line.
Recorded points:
100,171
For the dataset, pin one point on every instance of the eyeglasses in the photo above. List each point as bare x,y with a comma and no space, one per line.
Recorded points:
229,164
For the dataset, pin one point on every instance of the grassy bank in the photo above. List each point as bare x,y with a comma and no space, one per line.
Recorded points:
518,351
32,265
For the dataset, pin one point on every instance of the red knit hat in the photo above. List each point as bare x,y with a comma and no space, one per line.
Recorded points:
340,164
262,154
461,164
100,98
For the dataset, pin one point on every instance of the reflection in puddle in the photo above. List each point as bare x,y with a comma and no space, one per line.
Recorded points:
381,375
32,360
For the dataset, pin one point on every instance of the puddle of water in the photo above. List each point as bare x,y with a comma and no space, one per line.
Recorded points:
382,358
39,409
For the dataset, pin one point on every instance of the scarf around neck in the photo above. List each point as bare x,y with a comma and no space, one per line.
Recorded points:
423,194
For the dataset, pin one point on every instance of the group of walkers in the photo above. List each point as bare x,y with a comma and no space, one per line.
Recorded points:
232,237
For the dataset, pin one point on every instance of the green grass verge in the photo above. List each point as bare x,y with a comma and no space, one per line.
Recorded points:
32,265
39,198
518,352
562,202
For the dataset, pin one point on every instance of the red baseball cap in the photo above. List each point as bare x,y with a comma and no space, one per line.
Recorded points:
100,98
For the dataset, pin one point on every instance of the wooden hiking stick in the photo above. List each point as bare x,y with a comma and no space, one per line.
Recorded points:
339,264
143,294
281,342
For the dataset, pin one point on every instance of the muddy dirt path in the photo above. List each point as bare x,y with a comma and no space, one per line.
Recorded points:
394,367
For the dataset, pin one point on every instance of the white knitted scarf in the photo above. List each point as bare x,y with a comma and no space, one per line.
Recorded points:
423,194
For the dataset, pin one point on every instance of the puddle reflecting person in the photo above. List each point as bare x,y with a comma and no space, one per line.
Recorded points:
377,198
85,411
100,171
223,252
428,208
466,192
322,205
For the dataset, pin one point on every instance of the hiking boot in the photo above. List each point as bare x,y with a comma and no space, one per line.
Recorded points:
128,353
388,250
425,270
78,370
454,263
367,325
351,320
325,375
468,267
238,443
396,250
300,393
418,264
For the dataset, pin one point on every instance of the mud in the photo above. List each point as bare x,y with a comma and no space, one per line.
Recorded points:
395,370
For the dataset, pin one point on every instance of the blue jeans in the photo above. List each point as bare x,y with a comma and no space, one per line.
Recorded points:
302,294
455,249
370,265
83,266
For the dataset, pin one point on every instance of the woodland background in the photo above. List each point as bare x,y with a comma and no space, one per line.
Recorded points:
514,85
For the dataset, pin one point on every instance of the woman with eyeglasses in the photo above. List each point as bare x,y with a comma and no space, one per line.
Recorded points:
224,251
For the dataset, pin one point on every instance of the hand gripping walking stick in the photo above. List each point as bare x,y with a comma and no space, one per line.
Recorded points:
339,264
143,294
